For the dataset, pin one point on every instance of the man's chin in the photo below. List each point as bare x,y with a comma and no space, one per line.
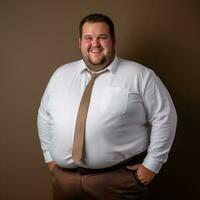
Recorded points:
96,63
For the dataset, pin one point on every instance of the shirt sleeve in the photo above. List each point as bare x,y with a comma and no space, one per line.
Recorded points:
162,117
43,120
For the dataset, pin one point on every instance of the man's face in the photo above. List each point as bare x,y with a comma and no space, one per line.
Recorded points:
97,46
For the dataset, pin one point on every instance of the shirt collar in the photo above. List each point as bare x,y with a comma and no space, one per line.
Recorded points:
112,67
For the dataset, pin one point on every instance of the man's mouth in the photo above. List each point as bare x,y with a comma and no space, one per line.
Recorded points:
95,50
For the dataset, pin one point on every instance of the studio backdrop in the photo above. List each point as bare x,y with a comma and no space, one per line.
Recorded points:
36,37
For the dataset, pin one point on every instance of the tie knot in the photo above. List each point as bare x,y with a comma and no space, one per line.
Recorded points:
95,75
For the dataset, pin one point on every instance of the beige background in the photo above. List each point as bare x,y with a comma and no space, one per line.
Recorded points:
38,36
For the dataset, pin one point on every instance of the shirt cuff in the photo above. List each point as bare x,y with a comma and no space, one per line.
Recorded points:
47,157
152,164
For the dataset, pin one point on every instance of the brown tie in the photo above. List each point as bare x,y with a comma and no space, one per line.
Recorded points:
79,135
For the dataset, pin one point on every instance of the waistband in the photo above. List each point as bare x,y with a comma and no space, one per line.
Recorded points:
130,161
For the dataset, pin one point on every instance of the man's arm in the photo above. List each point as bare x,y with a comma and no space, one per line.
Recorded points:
43,127
161,114
162,117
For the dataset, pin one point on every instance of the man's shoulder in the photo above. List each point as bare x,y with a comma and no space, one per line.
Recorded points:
68,68
66,71
133,66
73,66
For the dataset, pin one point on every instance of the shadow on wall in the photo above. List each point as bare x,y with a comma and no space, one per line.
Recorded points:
174,61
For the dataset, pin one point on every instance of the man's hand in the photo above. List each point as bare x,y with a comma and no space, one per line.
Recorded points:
51,165
144,175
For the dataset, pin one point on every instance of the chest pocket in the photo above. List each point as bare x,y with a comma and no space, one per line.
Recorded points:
113,100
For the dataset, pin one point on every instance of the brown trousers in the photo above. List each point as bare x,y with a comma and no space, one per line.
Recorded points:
117,184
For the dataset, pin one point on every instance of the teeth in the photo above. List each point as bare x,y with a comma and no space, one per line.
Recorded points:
95,50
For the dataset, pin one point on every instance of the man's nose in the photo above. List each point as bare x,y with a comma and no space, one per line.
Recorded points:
95,42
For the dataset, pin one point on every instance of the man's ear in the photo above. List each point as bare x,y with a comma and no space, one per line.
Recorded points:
114,41
79,42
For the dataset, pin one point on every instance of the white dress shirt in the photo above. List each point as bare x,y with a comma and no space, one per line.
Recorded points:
130,111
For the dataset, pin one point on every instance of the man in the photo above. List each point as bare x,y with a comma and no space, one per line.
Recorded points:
128,121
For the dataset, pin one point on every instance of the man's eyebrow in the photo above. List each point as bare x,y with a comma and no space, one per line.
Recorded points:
102,34
105,35
88,35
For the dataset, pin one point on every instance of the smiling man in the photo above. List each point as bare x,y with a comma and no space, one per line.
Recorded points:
106,124
97,45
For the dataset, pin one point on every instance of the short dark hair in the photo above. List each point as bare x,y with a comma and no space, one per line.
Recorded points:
98,18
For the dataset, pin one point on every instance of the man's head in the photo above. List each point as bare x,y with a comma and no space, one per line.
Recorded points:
97,41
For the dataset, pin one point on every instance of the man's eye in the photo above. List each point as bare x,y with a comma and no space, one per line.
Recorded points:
88,38
103,37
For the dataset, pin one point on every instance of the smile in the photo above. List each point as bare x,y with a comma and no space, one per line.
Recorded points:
96,50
